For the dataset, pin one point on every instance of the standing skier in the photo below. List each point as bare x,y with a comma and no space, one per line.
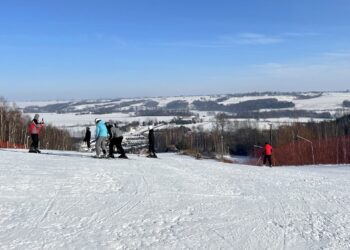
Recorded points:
109,126
267,153
152,152
116,140
101,137
34,130
87,138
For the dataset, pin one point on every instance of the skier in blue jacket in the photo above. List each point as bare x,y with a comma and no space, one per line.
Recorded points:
101,138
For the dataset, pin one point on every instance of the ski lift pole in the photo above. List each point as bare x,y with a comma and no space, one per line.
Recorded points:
222,147
270,133
312,146
256,155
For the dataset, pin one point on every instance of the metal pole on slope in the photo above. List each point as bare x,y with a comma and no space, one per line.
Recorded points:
270,133
312,146
222,147
260,156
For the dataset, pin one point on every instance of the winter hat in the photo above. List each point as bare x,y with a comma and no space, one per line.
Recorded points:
36,116
97,120
150,127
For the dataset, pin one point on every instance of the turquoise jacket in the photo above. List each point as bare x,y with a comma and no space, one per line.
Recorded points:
101,129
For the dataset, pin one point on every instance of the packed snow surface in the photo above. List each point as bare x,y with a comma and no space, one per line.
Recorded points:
69,200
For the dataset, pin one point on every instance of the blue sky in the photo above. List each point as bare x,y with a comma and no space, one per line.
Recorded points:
113,48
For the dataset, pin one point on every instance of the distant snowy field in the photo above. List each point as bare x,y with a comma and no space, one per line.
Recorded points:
327,101
75,124
68,200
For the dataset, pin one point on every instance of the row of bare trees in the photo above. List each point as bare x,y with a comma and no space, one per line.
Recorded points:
330,140
325,142
14,130
224,138
213,143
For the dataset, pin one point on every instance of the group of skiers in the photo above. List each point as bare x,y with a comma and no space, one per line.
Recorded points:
104,131
110,131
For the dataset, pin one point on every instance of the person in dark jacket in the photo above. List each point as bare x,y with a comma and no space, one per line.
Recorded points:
34,130
116,139
151,140
109,126
87,137
101,134
267,153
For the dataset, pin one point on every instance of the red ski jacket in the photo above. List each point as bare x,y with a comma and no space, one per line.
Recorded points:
267,149
34,128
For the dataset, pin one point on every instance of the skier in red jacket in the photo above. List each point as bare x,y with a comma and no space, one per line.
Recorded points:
267,153
34,130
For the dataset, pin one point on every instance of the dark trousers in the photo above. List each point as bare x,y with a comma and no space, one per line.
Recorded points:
35,141
151,149
88,144
267,157
118,143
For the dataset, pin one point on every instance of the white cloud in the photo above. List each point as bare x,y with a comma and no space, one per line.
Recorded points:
248,38
253,38
338,54
299,34
226,41
192,44
298,77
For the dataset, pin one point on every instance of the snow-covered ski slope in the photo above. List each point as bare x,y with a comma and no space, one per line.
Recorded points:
66,201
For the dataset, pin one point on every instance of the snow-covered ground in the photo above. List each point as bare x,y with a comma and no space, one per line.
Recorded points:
68,200
328,101
322,102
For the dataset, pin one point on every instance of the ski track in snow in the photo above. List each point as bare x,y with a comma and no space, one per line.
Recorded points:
53,202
